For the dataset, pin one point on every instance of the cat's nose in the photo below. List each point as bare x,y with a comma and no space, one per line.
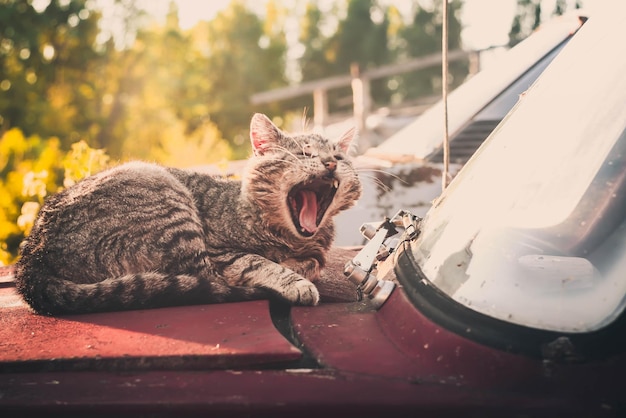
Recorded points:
330,165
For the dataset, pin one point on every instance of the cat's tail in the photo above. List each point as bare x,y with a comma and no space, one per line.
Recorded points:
55,296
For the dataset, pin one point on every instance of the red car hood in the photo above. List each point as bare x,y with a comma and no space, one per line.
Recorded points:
340,356
214,336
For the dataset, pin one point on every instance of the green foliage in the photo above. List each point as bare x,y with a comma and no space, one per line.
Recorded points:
314,62
151,90
245,57
529,15
47,64
32,168
423,37
372,35
361,37
526,20
142,91
82,161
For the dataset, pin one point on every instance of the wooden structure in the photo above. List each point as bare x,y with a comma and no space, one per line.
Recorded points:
360,83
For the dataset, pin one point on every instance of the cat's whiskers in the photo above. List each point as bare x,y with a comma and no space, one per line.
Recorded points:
373,170
305,119
379,183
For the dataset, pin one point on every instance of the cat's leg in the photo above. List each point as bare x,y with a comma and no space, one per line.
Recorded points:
256,271
309,267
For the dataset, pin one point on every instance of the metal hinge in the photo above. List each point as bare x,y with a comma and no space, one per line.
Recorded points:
384,237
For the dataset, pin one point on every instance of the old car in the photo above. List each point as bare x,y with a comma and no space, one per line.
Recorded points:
506,299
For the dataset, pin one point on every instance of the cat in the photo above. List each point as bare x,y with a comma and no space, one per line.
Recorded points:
140,235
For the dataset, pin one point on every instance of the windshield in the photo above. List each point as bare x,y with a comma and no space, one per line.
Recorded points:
532,230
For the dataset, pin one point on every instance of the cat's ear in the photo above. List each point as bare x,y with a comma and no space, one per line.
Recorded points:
348,139
263,133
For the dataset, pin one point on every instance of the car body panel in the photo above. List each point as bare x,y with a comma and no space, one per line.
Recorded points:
261,393
399,342
211,336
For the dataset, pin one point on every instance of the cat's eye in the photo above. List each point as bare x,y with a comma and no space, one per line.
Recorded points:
308,150
338,157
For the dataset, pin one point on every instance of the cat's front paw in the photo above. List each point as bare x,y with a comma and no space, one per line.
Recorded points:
302,292
309,268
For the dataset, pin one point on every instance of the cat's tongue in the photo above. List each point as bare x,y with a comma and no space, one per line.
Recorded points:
308,213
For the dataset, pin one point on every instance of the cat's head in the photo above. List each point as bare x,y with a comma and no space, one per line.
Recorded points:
301,181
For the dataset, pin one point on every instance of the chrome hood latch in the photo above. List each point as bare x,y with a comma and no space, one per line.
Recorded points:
384,238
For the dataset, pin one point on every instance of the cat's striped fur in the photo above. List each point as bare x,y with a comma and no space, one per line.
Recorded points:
140,235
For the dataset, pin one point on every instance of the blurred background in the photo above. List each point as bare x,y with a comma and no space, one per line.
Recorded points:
88,83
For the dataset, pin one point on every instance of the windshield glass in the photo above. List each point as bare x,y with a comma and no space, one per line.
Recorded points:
532,230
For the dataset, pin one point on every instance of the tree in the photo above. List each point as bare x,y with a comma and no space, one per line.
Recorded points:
32,168
244,57
422,37
526,20
360,38
46,67
314,62
529,16
560,7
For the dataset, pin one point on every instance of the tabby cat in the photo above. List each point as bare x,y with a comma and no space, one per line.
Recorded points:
140,235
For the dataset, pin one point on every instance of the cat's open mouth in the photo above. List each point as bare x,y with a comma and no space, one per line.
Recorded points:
308,203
